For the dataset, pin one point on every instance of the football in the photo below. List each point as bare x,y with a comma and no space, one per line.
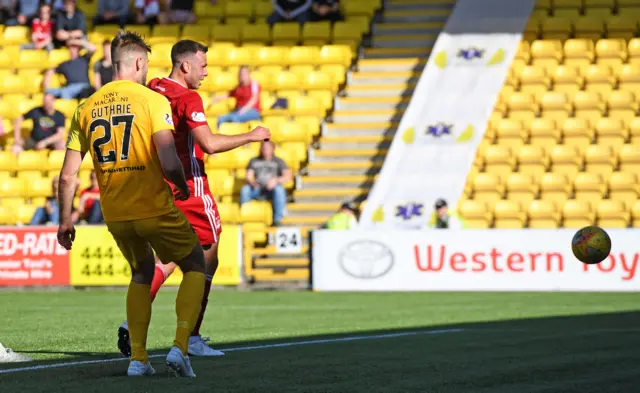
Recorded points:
591,245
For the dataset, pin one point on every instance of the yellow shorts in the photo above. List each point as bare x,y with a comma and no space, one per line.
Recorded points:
170,235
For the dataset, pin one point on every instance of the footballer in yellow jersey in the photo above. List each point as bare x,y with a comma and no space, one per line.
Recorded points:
127,130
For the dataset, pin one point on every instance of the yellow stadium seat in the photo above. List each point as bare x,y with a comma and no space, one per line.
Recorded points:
623,186
163,34
621,26
629,78
629,156
222,188
610,132
224,81
229,213
256,211
300,55
534,80
67,107
555,106
578,52
508,215
475,214
263,9
55,160
565,160
239,56
291,132
567,9
543,214
622,105
532,161
337,71
160,56
316,33
487,188
599,78
10,188
319,81
252,33
635,214
7,215
306,106
8,161
226,33
612,214
567,80
577,214
310,123
11,84
589,27
633,49
589,187
32,160
510,133
611,52
226,160
271,55
546,49
33,59
346,33
143,30
233,128
285,34
555,29
335,54
15,35
287,81
543,133
522,106
633,126
520,187
58,56
238,9
198,33
588,105
37,188
208,10
25,213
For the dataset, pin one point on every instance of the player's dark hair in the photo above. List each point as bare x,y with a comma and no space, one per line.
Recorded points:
186,47
125,42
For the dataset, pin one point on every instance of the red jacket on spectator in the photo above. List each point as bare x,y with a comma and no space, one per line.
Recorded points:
42,30
243,94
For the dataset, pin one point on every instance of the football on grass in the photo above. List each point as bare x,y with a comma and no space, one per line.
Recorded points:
591,245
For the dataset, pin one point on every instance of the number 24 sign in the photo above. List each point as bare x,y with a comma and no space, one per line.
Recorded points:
288,240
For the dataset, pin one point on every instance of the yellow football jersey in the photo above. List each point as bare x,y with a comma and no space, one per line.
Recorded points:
116,125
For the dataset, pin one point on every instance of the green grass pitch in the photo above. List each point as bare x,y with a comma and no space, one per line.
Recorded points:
492,342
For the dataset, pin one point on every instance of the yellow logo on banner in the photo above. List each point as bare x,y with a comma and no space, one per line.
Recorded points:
95,259
497,58
441,59
466,135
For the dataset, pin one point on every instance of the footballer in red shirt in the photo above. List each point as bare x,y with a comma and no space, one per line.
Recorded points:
193,139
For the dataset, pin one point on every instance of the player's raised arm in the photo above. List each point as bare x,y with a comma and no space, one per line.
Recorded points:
171,165
215,143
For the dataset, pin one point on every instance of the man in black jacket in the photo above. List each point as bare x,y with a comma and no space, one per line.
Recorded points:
290,11
326,10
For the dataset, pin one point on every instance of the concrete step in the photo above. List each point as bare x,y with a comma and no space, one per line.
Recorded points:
355,103
355,142
315,221
344,155
328,195
360,129
384,29
345,168
366,115
336,181
396,53
404,41
425,15
381,89
418,6
392,65
381,77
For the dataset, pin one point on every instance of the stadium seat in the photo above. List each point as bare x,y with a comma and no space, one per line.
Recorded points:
521,188
623,187
346,33
567,80
598,79
554,188
306,106
287,81
599,160
532,161
160,56
534,80
588,105
33,59
543,133
588,187
334,54
610,132
612,214
629,77
578,52
226,33
238,9
577,214
611,52
317,80
256,211
522,106
285,34
15,35
198,33
301,55
635,214
229,213
475,214
290,132
621,26
590,26
554,106
577,133
543,214
55,160
255,33
487,188
271,55
164,34
622,105
565,160
37,188
10,188
32,160
546,53
262,9
508,215
629,157
316,33
337,72
7,215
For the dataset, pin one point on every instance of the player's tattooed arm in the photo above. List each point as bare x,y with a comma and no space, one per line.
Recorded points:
171,165
216,143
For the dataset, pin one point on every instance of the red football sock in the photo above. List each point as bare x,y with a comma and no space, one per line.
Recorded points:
205,300
158,280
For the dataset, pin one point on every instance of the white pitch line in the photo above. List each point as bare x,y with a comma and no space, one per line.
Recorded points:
238,349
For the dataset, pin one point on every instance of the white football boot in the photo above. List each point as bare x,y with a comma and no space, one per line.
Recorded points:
139,369
179,364
198,347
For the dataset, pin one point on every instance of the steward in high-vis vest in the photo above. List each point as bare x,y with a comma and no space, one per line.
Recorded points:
442,218
344,219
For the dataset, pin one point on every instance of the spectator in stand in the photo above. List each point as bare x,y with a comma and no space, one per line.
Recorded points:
148,12
266,177
41,30
103,69
48,214
9,12
346,218
76,71
290,11
28,10
180,11
48,128
442,218
89,208
247,95
70,24
112,12
326,10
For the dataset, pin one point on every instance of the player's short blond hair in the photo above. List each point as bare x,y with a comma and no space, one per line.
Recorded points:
125,43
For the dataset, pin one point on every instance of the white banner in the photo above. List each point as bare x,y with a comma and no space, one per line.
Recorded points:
471,260
435,144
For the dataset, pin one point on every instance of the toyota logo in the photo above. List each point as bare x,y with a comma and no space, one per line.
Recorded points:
366,259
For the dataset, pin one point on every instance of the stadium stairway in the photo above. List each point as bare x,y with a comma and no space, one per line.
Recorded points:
345,161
